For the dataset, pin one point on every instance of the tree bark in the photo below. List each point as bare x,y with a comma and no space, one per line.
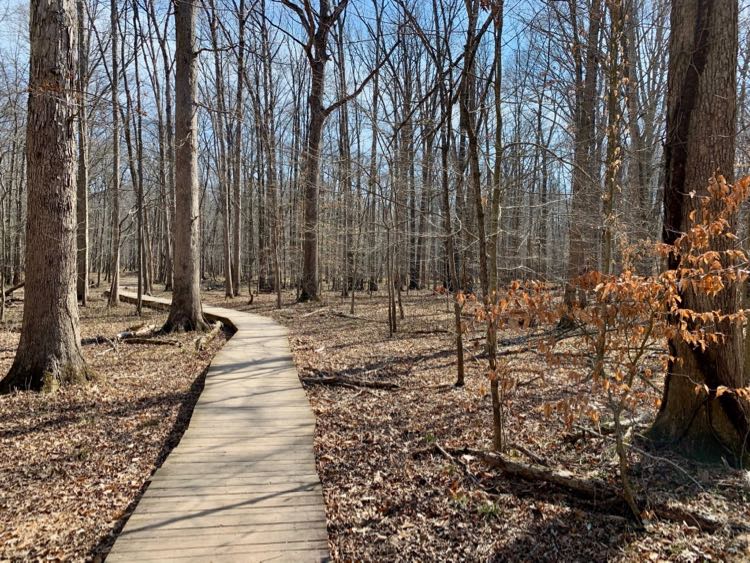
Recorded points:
614,152
311,174
222,165
185,312
82,197
584,202
497,175
701,127
114,289
237,160
49,351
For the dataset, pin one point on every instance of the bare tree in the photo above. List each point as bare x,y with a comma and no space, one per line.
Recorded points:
317,24
114,290
82,208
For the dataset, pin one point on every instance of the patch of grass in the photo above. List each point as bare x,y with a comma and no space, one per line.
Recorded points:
461,500
488,510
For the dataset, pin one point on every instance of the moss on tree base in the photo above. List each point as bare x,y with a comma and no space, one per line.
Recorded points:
47,380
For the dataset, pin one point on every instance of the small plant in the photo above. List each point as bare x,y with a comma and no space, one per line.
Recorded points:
621,327
488,510
522,307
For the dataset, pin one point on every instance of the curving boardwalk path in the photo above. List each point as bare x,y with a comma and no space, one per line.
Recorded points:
241,485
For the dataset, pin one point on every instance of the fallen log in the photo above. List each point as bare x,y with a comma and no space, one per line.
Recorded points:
315,312
590,488
96,340
528,453
132,332
203,341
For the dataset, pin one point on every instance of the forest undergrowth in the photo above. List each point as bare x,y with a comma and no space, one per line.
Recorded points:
394,441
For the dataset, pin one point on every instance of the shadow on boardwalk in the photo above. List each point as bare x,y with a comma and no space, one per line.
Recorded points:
241,485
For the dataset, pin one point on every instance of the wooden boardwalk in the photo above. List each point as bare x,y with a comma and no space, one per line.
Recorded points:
241,485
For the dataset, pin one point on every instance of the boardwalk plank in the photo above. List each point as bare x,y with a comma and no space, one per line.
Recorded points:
241,485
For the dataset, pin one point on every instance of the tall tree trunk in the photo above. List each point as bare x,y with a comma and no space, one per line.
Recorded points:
584,201
3,258
49,351
114,290
345,171
497,172
468,112
82,188
311,174
222,165
318,23
185,312
614,152
638,163
237,160
701,127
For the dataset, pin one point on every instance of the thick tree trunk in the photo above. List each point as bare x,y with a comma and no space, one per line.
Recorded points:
311,174
701,125
186,312
49,352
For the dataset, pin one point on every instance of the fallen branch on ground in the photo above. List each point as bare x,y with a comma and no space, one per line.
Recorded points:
346,382
315,312
598,490
135,332
8,292
458,461
590,488
528,453
153,341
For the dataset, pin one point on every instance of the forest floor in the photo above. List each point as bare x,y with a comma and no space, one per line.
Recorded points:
73,464
391,495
